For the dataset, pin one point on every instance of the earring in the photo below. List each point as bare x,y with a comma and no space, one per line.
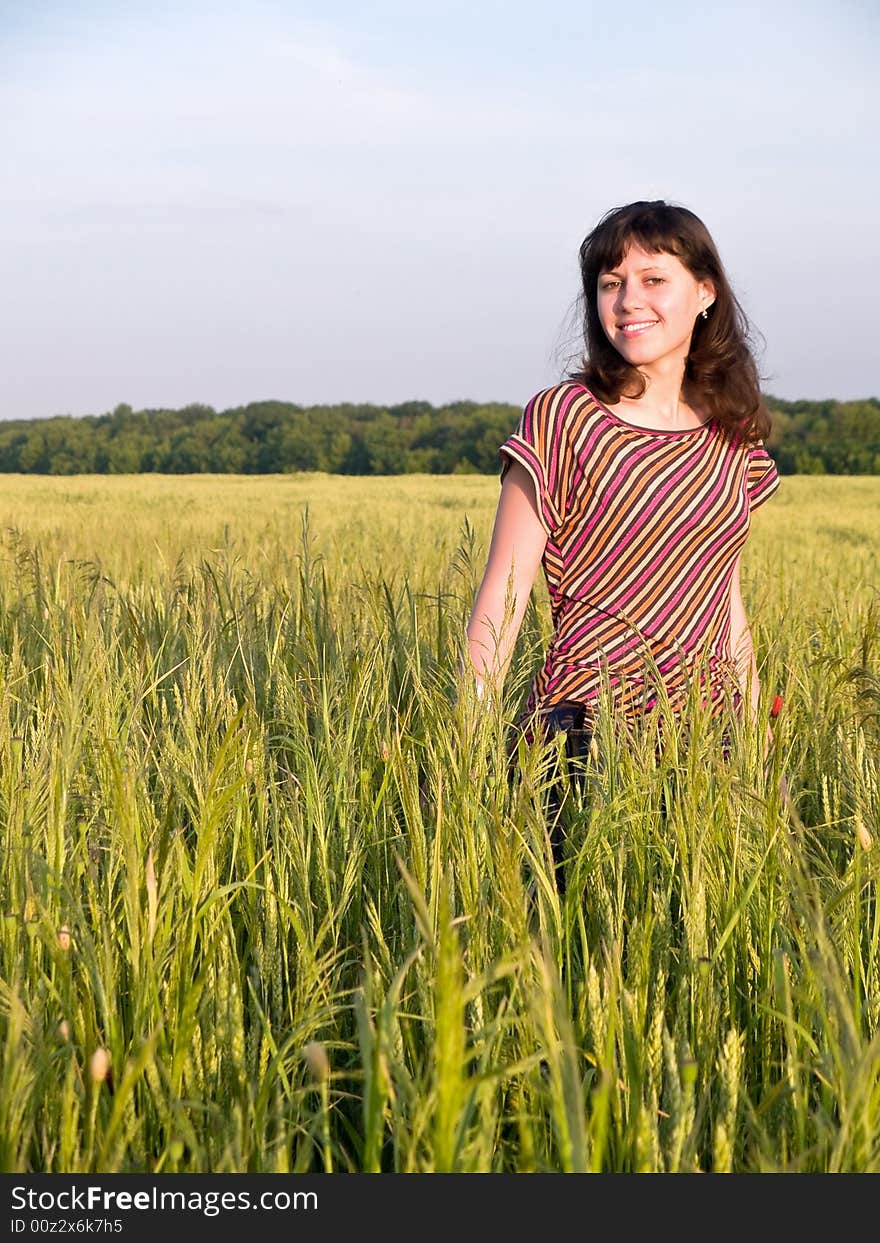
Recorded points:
705,312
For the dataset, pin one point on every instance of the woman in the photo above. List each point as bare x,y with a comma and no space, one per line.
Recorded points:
632,482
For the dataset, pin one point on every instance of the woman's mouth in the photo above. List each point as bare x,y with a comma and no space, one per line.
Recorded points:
637,328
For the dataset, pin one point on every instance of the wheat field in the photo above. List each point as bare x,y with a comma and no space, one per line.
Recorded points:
269,901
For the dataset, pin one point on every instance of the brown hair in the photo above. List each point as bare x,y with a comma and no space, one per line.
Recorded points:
721,376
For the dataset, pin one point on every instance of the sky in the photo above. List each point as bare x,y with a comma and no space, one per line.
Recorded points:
383,201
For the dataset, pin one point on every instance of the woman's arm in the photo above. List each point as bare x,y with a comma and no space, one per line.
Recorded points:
743,652
518,541
742,648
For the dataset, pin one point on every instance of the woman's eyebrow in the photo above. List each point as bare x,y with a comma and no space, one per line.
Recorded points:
648,267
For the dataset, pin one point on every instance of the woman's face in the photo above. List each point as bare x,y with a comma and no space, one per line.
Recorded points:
648,306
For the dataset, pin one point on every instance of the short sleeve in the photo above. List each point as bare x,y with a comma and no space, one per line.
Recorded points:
762,478
539,443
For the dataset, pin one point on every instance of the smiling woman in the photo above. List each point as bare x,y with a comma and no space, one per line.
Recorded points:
633,483
648,306
665,338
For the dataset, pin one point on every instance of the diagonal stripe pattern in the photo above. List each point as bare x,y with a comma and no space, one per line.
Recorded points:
644,527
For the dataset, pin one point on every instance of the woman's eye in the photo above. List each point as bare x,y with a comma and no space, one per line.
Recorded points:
610,284
655,280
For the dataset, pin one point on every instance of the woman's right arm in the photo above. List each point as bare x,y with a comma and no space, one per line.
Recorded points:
518,541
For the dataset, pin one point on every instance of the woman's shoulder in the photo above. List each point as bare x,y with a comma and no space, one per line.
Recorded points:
568,397
564,390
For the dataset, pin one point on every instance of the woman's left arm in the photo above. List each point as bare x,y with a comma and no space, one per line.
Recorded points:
742,648
746,667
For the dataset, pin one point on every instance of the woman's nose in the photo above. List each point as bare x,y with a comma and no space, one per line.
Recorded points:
629,295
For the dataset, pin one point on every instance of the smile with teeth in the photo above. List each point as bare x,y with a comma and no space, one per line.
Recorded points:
634,330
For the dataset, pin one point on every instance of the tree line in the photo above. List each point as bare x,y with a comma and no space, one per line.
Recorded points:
462,437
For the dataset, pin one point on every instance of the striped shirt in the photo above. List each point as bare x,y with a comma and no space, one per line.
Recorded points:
643,531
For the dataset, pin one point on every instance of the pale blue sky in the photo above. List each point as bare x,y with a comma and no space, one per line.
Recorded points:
383,201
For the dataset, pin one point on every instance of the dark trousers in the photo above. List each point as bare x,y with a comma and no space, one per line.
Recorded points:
569,784
569,778
568,787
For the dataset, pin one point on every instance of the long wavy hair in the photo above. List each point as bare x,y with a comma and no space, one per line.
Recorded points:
721,377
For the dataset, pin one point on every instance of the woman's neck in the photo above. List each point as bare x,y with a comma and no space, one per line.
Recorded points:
663,403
